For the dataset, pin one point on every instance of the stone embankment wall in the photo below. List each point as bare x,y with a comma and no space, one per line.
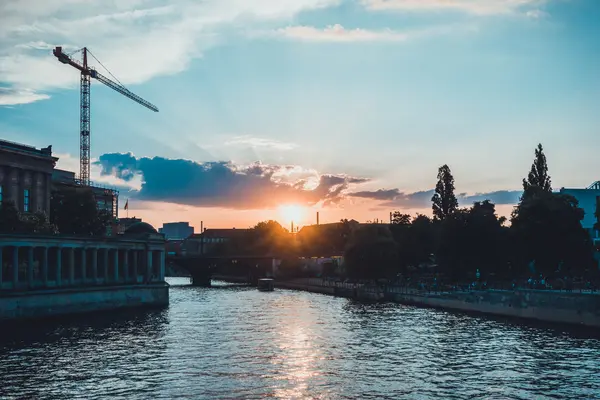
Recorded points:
542,305
303,286
49,303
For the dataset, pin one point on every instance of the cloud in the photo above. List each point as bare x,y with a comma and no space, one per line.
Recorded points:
337,33
537,14
380,194
10,96
260,142
69,162
41,45
422,199
224,184
475,7
136,39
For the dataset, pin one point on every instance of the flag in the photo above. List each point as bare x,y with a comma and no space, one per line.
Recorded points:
127,205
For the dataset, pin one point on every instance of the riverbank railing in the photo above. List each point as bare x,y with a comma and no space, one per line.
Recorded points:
429,288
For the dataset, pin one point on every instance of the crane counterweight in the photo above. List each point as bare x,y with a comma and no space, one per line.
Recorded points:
85,82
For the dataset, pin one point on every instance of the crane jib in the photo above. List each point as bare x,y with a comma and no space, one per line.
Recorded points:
86,74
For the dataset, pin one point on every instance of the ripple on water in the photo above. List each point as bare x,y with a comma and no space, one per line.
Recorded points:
236,342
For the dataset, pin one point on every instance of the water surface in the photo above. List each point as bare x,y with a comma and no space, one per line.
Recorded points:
237,342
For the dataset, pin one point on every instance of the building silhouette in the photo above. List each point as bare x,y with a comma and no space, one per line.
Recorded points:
176,230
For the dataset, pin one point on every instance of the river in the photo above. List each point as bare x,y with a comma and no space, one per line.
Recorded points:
236,342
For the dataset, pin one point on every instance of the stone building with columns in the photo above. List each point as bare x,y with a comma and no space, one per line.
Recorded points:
46,275
26,176
51,275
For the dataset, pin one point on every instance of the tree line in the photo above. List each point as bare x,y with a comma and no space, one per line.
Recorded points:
544,237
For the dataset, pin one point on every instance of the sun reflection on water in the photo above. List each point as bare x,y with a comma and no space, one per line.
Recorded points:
297,361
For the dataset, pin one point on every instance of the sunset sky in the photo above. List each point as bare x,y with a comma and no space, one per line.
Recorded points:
346,107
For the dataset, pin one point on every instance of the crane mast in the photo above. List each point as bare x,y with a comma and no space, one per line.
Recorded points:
84,125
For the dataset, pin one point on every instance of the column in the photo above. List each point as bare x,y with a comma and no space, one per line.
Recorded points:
149,267
105,266
95,264
30,266
83,266
58,266
135,266
33,185
126,265
161,274
71,266
116,271
15,267
47,191
14,193
40,197
45,267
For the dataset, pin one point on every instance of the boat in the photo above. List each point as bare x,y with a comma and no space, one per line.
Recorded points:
266,285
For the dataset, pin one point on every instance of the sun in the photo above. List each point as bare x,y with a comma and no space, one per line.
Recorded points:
291,213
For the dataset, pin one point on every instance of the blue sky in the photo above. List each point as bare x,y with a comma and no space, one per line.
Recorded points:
381,90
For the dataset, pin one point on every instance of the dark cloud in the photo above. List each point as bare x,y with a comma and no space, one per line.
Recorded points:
380,194
224,184
422,199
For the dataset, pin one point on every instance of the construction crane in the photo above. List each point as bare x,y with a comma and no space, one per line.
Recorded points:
87,73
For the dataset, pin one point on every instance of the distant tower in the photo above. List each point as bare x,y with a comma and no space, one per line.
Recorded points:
317,218
292,227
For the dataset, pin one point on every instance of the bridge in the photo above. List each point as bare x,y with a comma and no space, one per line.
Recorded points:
202,267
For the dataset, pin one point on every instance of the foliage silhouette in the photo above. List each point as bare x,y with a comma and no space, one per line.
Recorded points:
444,200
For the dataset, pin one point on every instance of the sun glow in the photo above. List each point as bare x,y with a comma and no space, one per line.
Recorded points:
291,213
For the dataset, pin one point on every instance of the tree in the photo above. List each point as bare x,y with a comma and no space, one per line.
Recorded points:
453,251
473,239
37,222
444,200
10,220
546,227
74,212
546,231
416,242
400,219
371,253
267,238
538,178
270,238
344,232
422,240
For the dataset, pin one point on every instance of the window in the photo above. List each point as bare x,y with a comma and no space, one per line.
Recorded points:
0,194
26,200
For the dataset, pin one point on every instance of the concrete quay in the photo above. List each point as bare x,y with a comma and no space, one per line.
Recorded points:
552,306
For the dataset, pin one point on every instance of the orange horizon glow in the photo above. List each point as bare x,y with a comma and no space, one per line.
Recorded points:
156,214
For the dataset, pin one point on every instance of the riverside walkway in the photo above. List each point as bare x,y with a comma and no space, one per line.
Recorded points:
557,306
